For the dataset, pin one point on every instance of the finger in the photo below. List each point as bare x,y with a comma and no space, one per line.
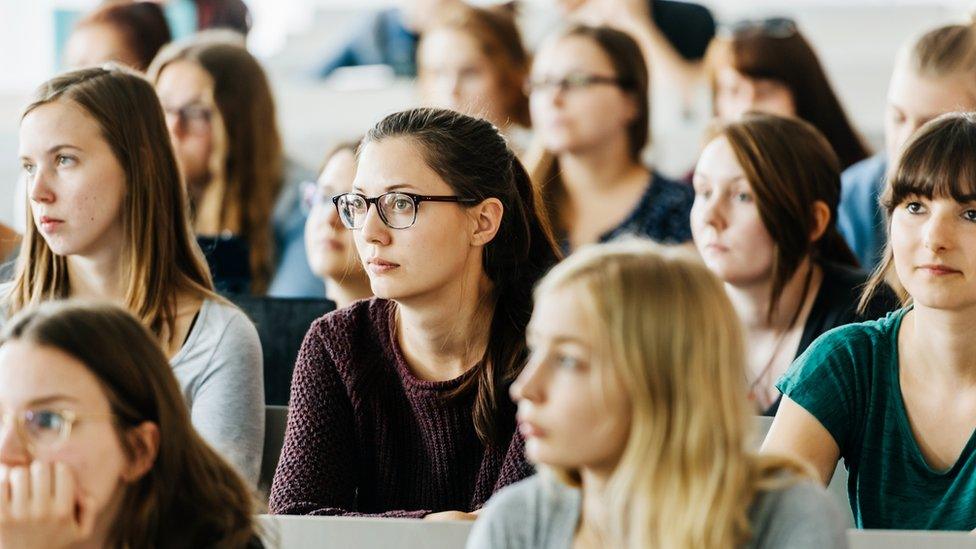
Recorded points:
19,491
4,491
40,481
64,491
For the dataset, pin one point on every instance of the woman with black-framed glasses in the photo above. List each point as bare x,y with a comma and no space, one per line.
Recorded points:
591,113
399,404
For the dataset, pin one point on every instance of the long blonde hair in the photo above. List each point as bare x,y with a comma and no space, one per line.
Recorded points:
160,258
686,477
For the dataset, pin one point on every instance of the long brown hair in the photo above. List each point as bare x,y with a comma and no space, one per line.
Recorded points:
789,59
944,51
142,25
789,166
474,160
631,71
939,161
190,497
241,198
500,41
160,258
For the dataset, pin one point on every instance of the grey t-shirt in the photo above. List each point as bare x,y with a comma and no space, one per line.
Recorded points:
220,373
542,513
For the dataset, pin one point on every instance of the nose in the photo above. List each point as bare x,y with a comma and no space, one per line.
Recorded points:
40,188
12,449
174,123
528,385
331,216
374,231
938,232
711,212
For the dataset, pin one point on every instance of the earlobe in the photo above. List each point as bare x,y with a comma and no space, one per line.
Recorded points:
143,442
487,221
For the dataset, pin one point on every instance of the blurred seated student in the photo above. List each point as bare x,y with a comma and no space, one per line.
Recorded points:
471,60
107,220
934,74
245,196
387,37
130,33
188,17
97,448
673,36
766,193
399,405
767,65
329,244
896,397
591,116
633,407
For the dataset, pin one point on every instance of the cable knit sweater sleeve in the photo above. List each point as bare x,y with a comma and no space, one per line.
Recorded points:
315,473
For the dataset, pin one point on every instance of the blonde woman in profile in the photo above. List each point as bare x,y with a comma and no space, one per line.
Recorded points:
633,404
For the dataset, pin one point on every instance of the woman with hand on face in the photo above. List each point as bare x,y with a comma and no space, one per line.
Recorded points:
329,244
591,113
97,449
766,193
472,60
107,220
399,404
896,397
633,406
768,66
934,75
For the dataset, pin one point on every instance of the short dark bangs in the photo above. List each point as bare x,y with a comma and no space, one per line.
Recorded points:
938,162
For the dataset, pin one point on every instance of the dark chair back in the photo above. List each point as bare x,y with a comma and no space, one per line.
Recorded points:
281,324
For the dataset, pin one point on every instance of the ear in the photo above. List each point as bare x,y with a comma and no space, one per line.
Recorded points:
486,219
143,443
821,218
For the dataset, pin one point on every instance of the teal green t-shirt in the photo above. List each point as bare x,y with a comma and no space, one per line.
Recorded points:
848,379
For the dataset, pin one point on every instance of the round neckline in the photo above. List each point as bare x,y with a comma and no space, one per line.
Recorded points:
403,368
904,424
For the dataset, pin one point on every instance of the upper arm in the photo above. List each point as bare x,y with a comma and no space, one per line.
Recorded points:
228,404
797,433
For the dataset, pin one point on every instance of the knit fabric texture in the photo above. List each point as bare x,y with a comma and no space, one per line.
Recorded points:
365,437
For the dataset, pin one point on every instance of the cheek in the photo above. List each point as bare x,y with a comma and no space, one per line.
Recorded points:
97,466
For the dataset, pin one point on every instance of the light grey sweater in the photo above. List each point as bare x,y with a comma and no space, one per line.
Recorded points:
220,371
542,513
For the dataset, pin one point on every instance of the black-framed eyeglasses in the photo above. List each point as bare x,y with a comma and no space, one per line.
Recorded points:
574,82
398,210
773,27
195,117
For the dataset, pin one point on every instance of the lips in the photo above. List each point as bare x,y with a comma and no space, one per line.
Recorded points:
938,269
528,429
379,266
48,223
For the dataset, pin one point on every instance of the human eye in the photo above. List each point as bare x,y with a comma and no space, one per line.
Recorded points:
969,215
65,161
40,422
28,168
566,362
914,207
402,203
743,196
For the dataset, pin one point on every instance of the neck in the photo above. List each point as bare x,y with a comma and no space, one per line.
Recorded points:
345,290
751,301
943,343
445,335
96,277
593,509
598,169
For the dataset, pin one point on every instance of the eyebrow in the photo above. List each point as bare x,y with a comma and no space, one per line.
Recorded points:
391,188
55,149
51,398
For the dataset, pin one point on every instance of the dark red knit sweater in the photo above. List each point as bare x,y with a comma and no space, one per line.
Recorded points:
366,437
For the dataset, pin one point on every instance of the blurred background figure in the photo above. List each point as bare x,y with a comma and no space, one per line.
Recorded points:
472,60
767,65
130,33
329,244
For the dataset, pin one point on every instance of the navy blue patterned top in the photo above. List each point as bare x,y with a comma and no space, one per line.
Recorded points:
662,214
